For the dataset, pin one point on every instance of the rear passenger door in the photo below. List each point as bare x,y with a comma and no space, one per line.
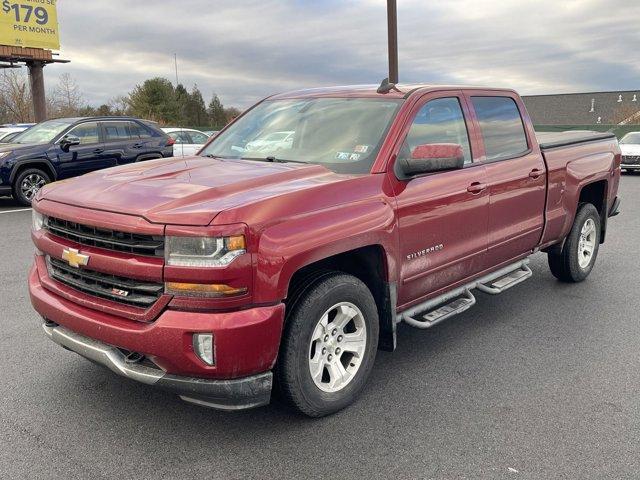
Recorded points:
516,176
120,146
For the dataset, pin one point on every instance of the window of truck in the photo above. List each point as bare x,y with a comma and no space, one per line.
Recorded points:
438,121
342,134
501,127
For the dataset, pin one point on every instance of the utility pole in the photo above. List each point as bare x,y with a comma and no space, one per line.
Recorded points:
392,25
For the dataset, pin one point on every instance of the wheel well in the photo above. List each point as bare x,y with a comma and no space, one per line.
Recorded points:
44,166
595,194
367,264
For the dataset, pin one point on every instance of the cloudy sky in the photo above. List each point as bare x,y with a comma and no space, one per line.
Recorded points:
246,49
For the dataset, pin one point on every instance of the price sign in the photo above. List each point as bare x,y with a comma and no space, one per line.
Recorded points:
29,23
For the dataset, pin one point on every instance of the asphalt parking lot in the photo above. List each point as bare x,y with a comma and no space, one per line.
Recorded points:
541,382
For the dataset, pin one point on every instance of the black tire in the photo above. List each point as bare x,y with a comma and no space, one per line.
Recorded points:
293,374
565,265
32,175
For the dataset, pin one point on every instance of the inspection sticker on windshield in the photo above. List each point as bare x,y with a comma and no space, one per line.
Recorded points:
342,155
361,148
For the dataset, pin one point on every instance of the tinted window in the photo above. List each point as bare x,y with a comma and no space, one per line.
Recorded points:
87,133
198,138
138,131
501,127
116,131
438,121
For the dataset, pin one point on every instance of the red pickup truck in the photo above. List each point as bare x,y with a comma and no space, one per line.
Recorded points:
289,250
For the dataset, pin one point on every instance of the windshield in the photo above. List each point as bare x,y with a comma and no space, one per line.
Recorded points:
633,138
44,132
343,134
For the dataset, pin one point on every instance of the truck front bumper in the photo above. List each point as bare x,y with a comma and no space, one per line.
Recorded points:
246,344
232,394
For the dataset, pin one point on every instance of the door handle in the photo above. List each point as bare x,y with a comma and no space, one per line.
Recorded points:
476,187
98,150
137,145
536,173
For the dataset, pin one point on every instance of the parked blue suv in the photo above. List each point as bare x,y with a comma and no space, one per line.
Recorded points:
68,147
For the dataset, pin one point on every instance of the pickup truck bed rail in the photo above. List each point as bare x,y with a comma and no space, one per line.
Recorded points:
548,140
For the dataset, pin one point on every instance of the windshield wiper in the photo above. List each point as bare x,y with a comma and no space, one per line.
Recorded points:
272,160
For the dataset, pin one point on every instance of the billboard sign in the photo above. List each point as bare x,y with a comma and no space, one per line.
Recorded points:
29,23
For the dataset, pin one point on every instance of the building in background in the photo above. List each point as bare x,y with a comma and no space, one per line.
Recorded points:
593,108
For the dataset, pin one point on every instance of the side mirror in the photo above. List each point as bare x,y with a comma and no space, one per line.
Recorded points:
69,141
432,157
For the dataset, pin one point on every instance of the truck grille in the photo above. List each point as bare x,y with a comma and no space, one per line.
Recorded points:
118,289
631,159
139,244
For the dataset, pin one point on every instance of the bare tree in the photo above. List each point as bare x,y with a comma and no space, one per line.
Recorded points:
15,97
119,105
66,97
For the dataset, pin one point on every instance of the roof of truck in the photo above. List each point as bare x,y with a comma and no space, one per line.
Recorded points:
371,91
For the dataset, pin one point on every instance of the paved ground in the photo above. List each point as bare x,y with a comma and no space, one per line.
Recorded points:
544,379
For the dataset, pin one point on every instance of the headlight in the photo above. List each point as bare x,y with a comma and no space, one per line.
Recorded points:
5,154
37,220
203,251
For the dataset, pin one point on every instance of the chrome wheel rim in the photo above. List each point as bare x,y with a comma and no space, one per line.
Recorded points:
31,184
587,243
337,347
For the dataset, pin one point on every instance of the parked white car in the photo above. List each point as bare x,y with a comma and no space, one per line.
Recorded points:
188,141
9,133
271,142
630,148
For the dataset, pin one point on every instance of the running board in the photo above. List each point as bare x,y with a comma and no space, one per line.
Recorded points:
442,307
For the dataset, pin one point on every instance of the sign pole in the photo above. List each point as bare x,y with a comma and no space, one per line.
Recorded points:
36,78
392,25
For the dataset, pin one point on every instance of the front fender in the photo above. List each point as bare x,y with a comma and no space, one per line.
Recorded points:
286,247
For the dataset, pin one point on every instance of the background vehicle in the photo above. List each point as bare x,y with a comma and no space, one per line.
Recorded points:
210,133
68,147
271,142
630,148
187,141
210,275
8,133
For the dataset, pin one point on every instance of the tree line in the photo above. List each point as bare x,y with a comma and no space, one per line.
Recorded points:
156,99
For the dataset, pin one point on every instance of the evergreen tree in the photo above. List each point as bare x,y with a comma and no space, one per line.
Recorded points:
196,111
217,116
182,99
155,100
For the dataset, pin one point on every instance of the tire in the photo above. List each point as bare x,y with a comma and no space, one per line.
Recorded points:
571,263
323,329
27,183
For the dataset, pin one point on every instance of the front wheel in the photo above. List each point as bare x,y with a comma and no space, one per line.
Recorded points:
578,255
329,345
27,184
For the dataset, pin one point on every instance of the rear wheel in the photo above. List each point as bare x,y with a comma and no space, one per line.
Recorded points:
578,255
27,183
329,345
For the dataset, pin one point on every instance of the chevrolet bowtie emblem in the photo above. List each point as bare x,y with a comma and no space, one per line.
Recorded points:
74,257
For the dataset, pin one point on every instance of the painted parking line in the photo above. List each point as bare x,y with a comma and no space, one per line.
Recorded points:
14,211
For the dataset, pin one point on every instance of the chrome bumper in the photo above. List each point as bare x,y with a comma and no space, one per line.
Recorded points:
235,394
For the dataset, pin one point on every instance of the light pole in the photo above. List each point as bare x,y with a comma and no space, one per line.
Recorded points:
392,26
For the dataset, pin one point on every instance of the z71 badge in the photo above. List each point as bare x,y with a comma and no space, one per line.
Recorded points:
425,251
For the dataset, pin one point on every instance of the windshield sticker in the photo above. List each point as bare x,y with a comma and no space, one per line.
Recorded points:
342,156
354,157
361,148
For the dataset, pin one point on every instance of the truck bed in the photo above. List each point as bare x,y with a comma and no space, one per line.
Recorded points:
548,140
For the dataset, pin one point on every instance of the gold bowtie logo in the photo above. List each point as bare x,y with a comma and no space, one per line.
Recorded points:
74,257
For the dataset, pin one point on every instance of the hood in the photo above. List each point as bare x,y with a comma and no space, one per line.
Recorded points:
630,148
18,147
185,191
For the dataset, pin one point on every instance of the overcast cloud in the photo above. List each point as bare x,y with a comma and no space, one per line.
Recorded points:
246,49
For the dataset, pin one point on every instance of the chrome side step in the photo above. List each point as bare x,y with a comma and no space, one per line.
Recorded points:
438,309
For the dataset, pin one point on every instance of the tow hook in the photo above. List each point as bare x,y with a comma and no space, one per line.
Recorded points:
133,357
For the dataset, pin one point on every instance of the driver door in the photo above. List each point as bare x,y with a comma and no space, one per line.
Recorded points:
83,158
442,216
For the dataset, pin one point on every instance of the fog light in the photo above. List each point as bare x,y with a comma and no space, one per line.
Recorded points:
203,346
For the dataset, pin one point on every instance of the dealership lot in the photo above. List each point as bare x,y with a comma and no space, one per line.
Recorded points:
541,382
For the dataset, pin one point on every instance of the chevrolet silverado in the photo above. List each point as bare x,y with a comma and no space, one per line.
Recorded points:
225,275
